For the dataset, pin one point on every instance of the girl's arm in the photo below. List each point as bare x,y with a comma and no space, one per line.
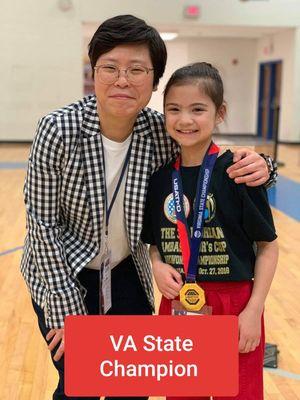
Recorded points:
168,280
250,317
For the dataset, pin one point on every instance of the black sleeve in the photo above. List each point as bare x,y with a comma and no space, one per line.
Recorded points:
256,213
147,235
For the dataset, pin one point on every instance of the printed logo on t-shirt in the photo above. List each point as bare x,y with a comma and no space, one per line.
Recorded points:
210,209
169,208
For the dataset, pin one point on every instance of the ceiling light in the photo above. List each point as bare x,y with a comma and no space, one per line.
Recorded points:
168,35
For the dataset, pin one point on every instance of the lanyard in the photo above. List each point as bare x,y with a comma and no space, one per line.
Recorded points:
108,208
190,244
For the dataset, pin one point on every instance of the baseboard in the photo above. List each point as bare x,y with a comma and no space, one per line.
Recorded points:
289,143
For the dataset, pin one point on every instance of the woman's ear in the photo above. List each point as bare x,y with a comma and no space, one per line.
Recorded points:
221,114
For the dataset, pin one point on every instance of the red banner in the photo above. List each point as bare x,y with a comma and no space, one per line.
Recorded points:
151,356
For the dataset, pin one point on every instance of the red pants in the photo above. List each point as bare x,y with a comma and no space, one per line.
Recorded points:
230,298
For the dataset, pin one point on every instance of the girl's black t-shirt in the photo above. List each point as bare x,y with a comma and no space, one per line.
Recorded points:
236,217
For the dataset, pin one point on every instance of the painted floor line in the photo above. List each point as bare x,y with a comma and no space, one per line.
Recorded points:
285,197
283,373
4,253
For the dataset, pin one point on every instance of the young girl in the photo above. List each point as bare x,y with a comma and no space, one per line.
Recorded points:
229,248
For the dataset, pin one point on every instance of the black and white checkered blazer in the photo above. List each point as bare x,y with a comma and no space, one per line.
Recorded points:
64,197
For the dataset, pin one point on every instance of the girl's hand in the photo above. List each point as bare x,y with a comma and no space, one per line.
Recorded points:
57,336
249,168
249,330
168,280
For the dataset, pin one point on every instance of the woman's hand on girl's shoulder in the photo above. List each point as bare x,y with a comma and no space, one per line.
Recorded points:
249,168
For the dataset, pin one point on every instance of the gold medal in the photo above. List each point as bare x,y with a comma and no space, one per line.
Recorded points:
192,296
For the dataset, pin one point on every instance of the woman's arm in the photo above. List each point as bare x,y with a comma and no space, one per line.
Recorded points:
42,190
250,317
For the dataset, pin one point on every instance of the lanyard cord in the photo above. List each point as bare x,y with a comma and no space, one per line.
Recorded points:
109,208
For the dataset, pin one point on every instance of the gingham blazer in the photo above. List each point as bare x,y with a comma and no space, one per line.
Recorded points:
64,197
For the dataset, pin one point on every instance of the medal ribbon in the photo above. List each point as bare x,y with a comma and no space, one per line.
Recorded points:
190,244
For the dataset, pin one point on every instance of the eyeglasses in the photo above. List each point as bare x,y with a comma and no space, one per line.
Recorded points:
110,73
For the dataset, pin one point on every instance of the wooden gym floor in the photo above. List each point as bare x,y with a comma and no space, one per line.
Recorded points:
26,372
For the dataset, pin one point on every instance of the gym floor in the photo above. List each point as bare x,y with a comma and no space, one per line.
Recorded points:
26,371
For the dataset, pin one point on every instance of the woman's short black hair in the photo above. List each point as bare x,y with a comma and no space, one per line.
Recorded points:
127,29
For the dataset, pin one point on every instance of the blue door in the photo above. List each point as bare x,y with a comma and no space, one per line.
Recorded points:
269,99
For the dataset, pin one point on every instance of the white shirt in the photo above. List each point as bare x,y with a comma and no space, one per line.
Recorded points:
114,157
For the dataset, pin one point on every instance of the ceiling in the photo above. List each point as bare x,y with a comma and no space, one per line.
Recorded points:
194,29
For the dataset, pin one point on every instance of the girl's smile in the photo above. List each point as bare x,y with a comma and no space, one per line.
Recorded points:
185,132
